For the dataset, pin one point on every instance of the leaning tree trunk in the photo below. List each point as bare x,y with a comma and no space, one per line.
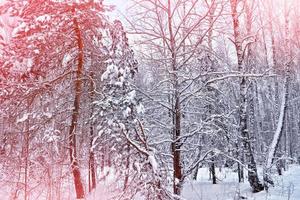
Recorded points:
276,138
246,140
75,115
283,109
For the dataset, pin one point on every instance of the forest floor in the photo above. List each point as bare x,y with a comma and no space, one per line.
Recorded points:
287,187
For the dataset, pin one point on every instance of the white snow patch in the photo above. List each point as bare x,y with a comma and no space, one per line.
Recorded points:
126,112
131,96
22,27
228,188
23,118
153,162
66,59
29,63
43,18
140,108
47,114
122,126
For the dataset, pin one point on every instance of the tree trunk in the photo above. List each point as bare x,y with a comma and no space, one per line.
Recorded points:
195,174
176,150
176,115
240,169
210,89
276,138
75,115
246,140
26,151
283,109
92,171
213,171
127,169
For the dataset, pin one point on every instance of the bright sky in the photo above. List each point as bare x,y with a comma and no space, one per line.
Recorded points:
120,6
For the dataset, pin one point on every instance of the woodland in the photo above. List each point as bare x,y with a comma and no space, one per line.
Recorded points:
146,99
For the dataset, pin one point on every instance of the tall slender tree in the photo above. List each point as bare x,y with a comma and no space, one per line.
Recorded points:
246,139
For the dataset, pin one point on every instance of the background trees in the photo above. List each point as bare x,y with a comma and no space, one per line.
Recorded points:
245,122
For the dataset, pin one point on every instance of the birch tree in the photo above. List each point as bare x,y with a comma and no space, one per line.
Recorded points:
246,140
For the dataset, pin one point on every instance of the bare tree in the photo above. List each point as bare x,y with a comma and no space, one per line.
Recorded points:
246,140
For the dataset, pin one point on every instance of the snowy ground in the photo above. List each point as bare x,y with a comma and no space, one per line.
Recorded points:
287,187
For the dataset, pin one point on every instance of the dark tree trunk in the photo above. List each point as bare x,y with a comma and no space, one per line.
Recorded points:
92,167
26,151
209,89
176,150
176,114
75,115
213,171
240,170
240,173
92,170
195,175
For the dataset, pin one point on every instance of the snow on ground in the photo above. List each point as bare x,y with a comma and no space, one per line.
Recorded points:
105,189
287,187
203,189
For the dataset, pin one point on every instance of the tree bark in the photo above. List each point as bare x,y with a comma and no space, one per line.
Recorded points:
75,115
212,170
240,169
92,171
26,151
209,89
176,144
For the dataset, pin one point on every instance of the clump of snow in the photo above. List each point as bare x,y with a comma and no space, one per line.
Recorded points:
51,135
29,63
47,114
122,126
110,70
66,59
131,96
110,122
153,162
43,18
23,118
22,27
140,108
127,112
